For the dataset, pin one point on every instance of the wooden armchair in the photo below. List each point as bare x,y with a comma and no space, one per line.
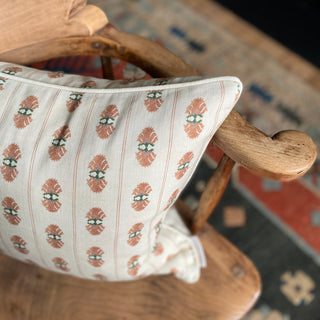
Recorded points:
229,286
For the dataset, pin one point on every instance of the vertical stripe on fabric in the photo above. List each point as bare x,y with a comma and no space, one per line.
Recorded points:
165,169
214,127
8,102
124,143
222,96
29,186
75,177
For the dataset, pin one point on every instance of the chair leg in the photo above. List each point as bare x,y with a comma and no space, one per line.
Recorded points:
107,70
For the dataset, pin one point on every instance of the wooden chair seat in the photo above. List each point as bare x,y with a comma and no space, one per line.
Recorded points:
228,287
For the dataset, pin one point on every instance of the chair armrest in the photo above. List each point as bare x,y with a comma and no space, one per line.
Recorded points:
285,156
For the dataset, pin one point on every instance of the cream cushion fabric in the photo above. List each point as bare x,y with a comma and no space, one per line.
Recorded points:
90,168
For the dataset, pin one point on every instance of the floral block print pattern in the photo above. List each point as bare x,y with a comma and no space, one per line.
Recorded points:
89,84
236,98
141,196
98,166
19,244
51,190
95,221
154,100
91,168
2,82
157,248
9,163
100,277
107,121
133,265
54,236
172,199
183,165
195,112
135,234
60,264
74,100
12,70
157,227
10,210
147,139
95,256
54,75
57,149
24,116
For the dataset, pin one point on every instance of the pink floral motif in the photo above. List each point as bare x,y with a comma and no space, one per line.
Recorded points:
195,112
133,265
183,165
98,166
57,150
95,256
237,94
51,190
158,249
147,138
154,100
10,209
169,257
95,221
11,156
100,277
107,120
60,264
54,236
135,234
74,101
19,244
172,199
141,196
12,70
89,84
53,75
2,82
24,116
158,227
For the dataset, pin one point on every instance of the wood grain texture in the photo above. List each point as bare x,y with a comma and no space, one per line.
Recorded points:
286,156
213,192
30,22
107,70
29,292
230,284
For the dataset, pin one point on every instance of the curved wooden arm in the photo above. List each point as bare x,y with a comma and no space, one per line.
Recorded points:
144,53
286,156
30,22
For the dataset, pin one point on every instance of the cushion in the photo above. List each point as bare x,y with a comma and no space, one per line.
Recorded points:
91,167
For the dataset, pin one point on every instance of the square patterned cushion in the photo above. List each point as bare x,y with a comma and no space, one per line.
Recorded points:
91,167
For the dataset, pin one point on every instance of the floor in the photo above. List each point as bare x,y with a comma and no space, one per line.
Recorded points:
294,23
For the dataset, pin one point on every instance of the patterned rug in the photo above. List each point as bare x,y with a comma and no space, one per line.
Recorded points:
276,224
